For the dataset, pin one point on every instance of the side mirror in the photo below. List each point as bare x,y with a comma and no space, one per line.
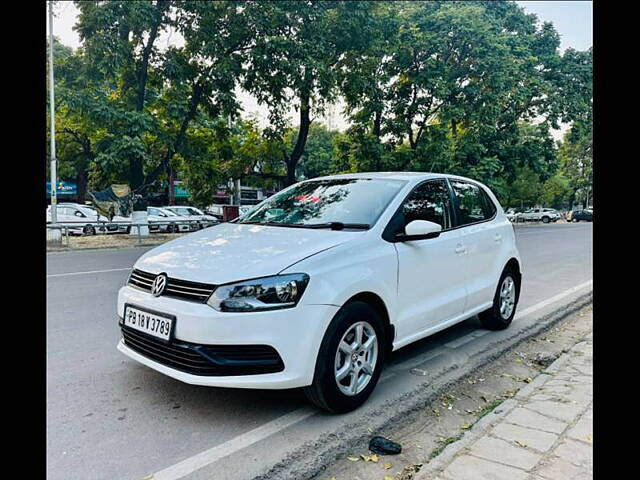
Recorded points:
419,230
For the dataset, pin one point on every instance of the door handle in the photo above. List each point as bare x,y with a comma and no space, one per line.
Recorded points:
460,249
497,237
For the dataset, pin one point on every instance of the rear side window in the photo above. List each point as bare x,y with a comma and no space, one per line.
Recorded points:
487,204
472,205
429,201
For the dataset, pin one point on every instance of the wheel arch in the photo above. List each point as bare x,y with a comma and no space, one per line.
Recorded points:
514,264
378,304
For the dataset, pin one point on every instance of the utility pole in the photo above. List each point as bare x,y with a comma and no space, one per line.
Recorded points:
54,176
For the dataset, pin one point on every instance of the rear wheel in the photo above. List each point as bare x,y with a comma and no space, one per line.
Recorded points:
501,313
350,359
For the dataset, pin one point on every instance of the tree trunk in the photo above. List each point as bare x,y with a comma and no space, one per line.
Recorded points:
303,132
135,164
171,188
82,178
377,120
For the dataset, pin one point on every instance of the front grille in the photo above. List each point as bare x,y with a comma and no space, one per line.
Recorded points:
206,360
183,289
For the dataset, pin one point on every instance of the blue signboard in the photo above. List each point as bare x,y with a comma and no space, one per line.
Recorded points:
64,188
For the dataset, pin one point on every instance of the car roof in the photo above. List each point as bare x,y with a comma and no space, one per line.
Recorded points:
406,176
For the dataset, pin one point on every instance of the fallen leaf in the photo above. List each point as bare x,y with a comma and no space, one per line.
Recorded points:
148,477
353,459
521,444
466,426
387,477
590,437
387,466
370,458
518,360
484,398
527,380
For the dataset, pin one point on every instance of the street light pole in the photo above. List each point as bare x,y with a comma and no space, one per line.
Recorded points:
54,177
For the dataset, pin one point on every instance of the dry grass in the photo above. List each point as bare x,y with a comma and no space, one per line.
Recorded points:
116,240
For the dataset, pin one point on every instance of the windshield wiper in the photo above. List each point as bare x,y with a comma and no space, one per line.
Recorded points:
331,225
339,225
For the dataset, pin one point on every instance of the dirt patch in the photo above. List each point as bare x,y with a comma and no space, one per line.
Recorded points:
446,419
115,240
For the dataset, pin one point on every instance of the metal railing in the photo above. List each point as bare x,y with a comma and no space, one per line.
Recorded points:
101,227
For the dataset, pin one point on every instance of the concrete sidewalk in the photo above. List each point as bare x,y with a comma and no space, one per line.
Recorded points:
544,433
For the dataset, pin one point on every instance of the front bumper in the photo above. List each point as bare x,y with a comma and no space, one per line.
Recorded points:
294,333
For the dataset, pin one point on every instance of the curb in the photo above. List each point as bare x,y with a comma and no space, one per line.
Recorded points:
479,429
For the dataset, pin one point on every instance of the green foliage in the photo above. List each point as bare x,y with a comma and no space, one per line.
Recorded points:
576,162
470,88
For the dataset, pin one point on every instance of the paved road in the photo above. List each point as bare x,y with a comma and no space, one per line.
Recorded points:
109,418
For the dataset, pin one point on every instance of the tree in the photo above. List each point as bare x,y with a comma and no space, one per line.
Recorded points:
576,162
151,96
318,152
525,190
293,60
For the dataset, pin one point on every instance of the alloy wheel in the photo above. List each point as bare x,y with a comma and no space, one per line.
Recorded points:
507,297
356,358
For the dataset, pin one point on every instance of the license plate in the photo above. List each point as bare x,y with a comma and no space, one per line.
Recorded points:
157,325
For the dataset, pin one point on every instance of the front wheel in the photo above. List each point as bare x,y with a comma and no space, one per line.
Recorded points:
89,230
545,219
350,359
501,313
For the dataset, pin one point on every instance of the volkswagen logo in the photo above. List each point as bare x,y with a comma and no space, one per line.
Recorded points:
158,285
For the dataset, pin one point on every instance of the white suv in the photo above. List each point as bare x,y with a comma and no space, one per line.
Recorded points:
545,215
194,213
321,282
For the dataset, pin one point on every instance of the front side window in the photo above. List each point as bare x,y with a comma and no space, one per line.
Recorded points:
471,206
429,201
355,201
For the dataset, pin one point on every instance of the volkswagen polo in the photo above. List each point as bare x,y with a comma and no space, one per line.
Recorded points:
318,284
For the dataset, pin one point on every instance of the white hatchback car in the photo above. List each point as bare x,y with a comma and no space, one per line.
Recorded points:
316,286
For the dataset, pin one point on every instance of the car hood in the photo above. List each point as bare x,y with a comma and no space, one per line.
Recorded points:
228,252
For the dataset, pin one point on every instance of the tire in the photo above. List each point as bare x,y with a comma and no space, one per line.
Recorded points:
545,219
89,230
173,228
128,230
325,392
494,318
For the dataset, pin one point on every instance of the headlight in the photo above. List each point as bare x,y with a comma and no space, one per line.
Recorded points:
267,293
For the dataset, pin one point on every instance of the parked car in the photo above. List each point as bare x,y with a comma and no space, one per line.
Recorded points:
545,215
79,219
216,211
511,214
585,214
194,213
162,220
338,272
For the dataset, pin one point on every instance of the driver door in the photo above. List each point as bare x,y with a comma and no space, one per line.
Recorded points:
431,272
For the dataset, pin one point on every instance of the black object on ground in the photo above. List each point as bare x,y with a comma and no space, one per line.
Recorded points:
384,446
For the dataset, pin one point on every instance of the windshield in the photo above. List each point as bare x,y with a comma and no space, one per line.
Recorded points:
315,202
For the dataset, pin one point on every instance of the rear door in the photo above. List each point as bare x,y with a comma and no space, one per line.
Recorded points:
482,239
431,279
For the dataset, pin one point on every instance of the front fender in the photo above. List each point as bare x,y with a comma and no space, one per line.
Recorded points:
339,273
